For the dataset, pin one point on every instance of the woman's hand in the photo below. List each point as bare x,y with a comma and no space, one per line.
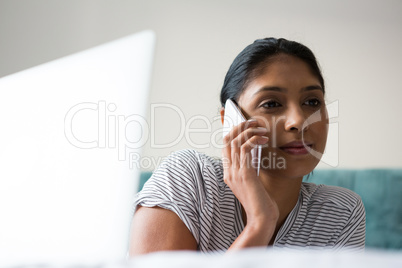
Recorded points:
240,175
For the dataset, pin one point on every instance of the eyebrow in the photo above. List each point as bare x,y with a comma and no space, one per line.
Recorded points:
281,89
313,87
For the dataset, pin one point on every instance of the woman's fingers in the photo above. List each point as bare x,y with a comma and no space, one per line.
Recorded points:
242,145
240,141
245,150
237,130
241,177
228,139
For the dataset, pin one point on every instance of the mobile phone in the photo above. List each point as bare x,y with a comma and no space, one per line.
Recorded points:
234,117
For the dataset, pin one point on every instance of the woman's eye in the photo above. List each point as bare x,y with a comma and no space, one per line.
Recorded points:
271,104
313,102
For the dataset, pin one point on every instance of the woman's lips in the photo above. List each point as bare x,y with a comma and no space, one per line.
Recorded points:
296,147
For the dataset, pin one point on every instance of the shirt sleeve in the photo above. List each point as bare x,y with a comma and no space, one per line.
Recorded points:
174,186
353,236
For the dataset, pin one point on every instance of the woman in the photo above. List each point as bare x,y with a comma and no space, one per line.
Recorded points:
195,202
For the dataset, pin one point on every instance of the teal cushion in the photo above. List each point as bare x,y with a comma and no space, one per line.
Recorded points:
380,190
144,176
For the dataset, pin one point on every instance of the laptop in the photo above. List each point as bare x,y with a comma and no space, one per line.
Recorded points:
71,132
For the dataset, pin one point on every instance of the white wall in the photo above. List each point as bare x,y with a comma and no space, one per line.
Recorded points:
358,44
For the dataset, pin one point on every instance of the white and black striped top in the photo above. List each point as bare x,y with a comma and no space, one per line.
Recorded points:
191,184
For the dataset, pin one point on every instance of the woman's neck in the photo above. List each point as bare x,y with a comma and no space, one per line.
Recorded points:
285,192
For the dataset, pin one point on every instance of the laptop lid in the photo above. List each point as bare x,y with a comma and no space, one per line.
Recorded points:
70,132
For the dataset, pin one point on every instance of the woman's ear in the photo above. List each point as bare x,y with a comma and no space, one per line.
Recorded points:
222,111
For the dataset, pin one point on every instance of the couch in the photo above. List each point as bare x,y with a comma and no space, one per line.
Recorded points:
381,192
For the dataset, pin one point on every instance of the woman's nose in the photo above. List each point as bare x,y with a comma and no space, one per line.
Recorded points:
295,120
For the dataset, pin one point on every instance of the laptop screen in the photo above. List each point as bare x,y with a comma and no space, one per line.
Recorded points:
70,132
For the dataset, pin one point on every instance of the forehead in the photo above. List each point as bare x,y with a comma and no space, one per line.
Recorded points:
282,71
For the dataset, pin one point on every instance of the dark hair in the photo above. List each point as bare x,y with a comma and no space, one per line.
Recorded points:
251,59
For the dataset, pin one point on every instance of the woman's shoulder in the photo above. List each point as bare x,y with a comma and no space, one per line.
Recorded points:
331,196
192,159
190,165
195,157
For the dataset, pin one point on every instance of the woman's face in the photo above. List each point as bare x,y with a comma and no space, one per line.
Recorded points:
288,100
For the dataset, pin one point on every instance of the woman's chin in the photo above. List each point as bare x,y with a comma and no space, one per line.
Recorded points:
288,167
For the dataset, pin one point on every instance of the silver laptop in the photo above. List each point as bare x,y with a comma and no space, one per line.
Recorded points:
71,133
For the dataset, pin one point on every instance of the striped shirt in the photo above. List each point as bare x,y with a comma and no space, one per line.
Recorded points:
191,185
